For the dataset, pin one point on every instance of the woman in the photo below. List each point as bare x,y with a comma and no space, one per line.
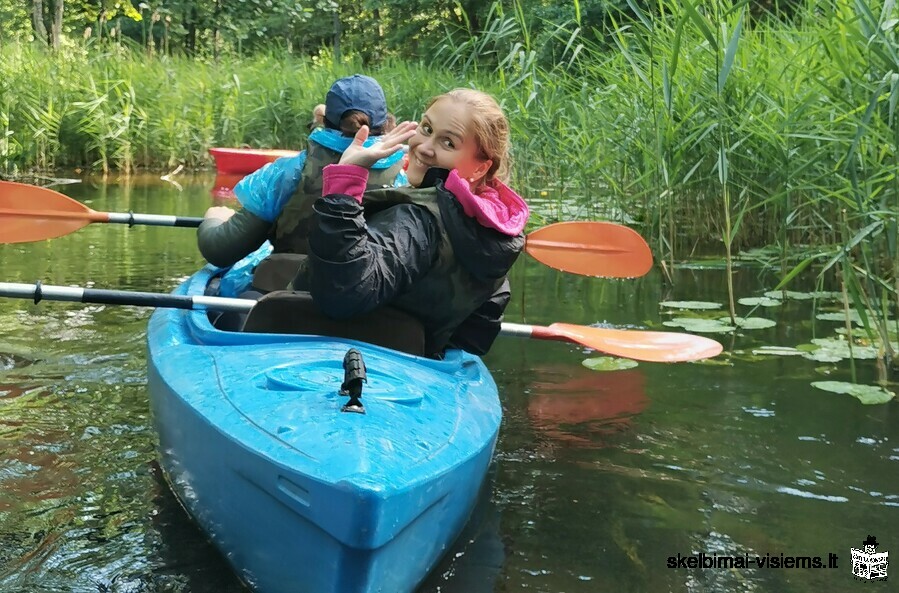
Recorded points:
277,199
439,250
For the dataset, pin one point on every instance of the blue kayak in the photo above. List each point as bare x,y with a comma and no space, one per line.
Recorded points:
296,494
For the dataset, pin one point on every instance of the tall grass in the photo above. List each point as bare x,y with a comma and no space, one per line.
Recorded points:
115,108
719,128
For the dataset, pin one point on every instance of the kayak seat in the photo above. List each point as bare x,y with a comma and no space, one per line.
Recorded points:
294,312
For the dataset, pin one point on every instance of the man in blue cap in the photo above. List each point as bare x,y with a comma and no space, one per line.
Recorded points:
356,93
277,199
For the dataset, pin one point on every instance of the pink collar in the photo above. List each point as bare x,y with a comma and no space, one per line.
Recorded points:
496,206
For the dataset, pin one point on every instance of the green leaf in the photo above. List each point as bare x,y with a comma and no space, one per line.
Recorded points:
750,322
609,363
697,305
867,394
821,355
840,316
777,351
731,51
636,10
706,326
797,270
701,23
859,237
760,301
675,48
835,350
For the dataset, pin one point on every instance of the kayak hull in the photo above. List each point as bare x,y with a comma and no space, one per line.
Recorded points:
297,495
243,161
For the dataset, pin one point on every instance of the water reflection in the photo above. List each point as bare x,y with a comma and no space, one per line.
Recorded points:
223,188
474,563
574,406
185,560
9,360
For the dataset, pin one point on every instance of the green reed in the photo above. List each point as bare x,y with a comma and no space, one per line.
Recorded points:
717,129
113,107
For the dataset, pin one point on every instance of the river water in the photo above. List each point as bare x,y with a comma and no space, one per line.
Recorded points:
600,477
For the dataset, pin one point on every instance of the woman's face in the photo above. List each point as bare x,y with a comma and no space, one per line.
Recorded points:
443,140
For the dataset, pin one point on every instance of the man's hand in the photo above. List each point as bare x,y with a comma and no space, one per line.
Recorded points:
222,213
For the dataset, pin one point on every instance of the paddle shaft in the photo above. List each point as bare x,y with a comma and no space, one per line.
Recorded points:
38,292
537,332
132,219
73,294
129,218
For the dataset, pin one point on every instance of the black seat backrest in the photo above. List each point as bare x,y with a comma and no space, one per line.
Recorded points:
294,312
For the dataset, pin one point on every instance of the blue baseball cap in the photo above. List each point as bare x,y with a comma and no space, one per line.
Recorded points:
356,92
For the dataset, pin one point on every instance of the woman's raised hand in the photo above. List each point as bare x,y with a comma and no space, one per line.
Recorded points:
357,154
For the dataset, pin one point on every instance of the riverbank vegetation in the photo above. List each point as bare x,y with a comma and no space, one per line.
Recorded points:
715,124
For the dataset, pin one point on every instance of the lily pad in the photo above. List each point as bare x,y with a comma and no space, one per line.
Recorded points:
840,316
760,301
698,305
867,394
854,316
835,350
694,324
609,363
842,347
822,355
777,351
762,254
715,362
750,322
782,294
859,332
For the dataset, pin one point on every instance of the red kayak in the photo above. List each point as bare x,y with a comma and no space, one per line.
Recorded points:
244,161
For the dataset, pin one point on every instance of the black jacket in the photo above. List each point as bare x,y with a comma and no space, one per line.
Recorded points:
359,262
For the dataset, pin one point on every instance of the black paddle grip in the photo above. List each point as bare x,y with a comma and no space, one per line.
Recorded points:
188,221
138,299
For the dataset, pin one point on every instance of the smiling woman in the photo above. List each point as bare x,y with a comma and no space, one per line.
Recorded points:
439,250
440,140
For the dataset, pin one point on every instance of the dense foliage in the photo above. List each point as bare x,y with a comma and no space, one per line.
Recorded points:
373,29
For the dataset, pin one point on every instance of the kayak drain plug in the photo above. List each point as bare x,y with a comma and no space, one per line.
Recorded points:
353,378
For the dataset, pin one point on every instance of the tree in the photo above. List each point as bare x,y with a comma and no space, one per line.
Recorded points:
37,20
56,28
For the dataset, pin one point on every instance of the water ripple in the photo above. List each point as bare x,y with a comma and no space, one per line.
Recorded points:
8,361
805,494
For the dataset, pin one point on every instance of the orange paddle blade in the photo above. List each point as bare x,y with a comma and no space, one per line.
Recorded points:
602,249
29,213
651,346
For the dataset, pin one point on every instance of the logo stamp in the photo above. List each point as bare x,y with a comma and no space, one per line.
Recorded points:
868,564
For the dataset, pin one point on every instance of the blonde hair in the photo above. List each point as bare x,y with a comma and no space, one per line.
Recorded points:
489,127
